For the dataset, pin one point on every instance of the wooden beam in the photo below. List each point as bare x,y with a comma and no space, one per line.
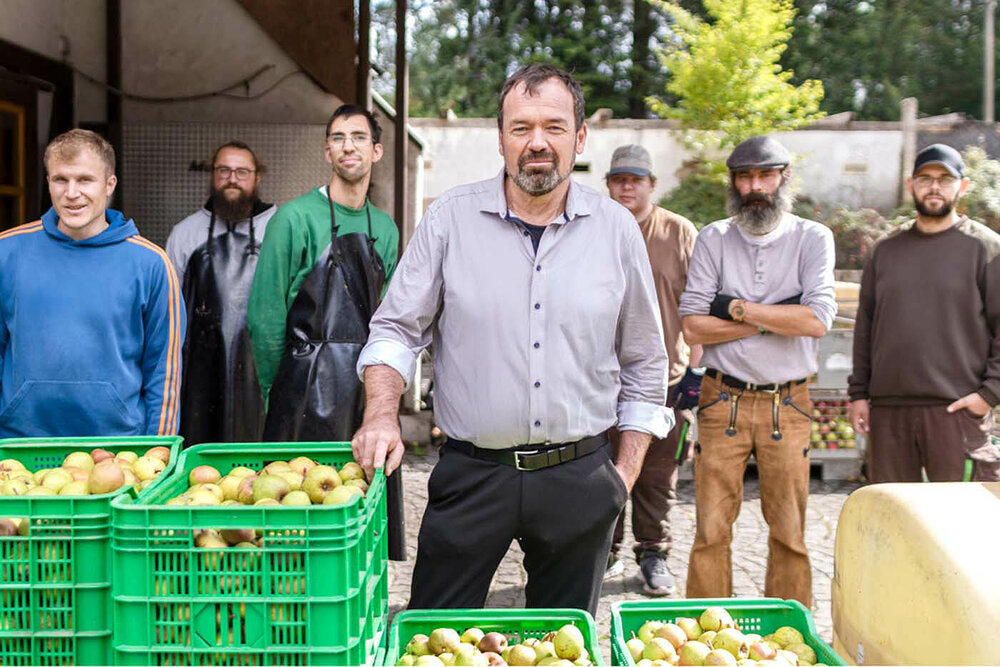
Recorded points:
363,96
402,113
318,35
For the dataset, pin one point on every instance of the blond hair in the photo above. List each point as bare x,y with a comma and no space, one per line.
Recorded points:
69,144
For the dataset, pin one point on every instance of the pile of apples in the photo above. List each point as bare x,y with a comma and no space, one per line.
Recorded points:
714,639
830,428
84,474
300,481
475,648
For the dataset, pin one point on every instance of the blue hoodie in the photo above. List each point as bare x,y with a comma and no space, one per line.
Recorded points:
90,333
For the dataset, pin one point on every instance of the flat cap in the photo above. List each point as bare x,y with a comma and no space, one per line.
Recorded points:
631,159
946,156
761,152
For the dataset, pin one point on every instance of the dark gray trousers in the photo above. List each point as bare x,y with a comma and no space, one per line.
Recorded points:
562,517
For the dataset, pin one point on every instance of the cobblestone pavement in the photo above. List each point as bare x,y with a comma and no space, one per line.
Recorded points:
749,549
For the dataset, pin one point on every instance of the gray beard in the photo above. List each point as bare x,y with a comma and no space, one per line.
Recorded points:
538,183
754,219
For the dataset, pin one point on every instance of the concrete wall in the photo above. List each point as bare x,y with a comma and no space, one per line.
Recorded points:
840,167
70,31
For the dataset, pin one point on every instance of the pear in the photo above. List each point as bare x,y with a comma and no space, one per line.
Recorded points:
806,654
443,640
472,636
648,630
673,634
694,652
569,642
418,645
658,648
635,647
787,635
690,626
521,655
720,657
732,640
716,618
708,637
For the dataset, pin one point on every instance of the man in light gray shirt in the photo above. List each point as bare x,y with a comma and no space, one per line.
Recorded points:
759,294
539,299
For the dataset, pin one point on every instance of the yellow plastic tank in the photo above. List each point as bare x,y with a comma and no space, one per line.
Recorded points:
917,575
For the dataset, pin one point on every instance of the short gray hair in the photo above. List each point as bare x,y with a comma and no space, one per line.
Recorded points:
535,75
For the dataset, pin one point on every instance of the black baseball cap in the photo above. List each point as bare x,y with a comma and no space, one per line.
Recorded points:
946,156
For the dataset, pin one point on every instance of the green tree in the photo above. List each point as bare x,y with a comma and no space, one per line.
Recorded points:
726,72
870,54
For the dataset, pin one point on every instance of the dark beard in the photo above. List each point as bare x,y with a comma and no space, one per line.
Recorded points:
944,211
538,183
758,218
235,210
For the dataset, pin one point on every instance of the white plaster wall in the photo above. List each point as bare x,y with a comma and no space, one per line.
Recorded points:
838,167
48,27
183,47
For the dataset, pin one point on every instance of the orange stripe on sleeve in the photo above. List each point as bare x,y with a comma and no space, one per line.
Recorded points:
171,394
22,229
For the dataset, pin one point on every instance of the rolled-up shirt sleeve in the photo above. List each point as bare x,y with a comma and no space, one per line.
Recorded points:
816,274
641,353
703,279
401,326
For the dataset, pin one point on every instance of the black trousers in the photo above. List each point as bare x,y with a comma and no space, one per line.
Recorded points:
563,518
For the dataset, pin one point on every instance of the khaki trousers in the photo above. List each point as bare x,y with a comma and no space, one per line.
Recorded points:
732,424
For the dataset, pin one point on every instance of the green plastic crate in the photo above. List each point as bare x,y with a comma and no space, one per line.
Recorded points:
761,616
55,583
515,623
313,594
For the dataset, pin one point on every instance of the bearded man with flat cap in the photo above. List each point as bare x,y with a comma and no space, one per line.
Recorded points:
759,295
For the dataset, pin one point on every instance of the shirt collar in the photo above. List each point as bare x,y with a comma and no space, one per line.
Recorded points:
496,202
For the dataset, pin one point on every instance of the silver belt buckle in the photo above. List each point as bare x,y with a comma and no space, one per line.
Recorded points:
517,458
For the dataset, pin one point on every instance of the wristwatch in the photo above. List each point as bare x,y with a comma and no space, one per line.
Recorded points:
738,309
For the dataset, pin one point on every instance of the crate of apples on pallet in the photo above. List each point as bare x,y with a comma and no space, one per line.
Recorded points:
831,427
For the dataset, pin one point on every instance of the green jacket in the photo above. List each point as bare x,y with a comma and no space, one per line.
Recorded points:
295,238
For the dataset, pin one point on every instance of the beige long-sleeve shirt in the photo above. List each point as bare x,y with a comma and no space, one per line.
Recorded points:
528,348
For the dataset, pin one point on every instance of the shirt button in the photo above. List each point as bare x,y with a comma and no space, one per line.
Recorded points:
538,306
537,384
537,345
527,234
538,268
538,423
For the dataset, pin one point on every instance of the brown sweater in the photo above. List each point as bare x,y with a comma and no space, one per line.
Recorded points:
929,318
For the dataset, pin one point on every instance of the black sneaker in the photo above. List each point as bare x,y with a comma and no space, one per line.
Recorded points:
656,578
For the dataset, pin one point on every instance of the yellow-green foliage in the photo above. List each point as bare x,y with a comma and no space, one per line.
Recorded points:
726,74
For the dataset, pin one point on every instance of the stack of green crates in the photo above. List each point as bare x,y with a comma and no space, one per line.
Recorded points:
55,582
761,616
517,624
315,593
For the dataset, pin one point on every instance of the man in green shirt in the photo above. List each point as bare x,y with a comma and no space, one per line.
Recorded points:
312,298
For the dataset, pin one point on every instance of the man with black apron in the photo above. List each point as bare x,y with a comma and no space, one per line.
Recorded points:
215,252
325,261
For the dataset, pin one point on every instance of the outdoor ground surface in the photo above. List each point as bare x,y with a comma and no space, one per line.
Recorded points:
749,549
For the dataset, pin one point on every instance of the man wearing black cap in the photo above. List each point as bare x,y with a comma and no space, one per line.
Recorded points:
926,348
669,240
759,294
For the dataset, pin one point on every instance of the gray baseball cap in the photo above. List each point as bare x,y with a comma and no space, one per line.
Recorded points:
631,159
946,156
761,152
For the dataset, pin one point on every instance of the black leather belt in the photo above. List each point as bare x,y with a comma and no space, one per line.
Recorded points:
737,383
535,458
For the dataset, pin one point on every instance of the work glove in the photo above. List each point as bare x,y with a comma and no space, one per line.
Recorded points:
720,306
688,390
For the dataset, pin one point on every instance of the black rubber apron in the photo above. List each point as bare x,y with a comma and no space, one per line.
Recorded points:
316,395
220,396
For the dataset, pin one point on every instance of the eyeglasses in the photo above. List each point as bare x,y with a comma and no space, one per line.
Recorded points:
242,173
358,139
926,181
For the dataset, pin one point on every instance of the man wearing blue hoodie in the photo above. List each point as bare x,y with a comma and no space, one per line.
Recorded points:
91,315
